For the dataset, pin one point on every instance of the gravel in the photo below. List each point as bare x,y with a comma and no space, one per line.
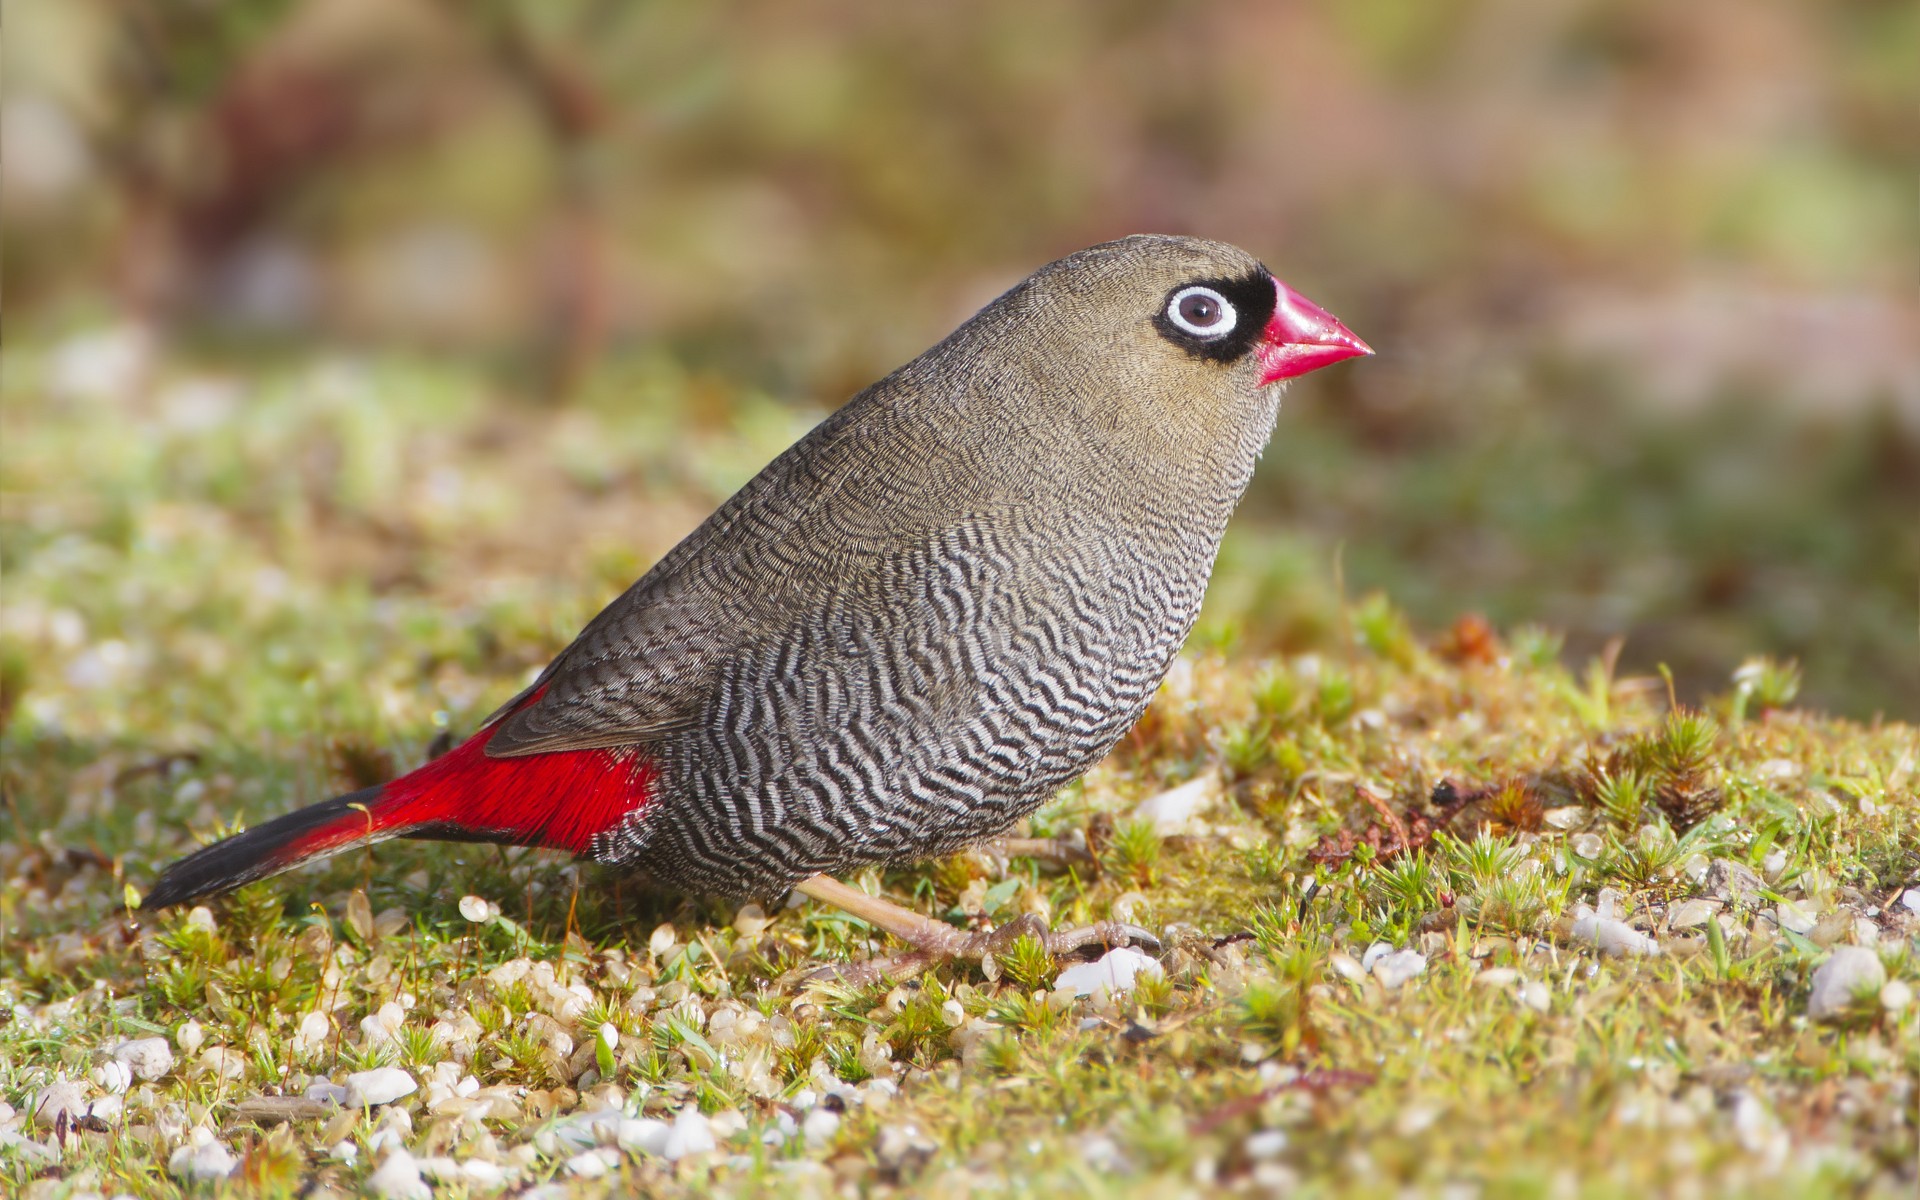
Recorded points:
398,1177
148,1058
1849,973
1117,971
1396,969
1613,939
1171,813
382,1085
203,1156
61,1098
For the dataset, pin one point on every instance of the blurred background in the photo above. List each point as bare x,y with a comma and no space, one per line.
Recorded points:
437,321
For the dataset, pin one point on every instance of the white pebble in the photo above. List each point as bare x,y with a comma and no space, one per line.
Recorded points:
1347,967
1615,939
820,1126
148,1058
1374,954
1394,970
1911,898
750,920
1849,973
691,1134
1497,977
477,910
62,1097
382,1085
1793,917
1268,1143
1118,970
1171,813
202,1157
113,1077
398,1178
189,1037
642,1135
1690,913
592,1164
1894,998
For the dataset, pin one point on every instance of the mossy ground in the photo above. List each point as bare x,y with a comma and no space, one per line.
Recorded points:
223,602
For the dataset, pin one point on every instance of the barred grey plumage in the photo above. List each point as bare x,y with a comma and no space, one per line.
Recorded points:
948,600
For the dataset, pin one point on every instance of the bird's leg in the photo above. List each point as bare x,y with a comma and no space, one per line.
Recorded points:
936,941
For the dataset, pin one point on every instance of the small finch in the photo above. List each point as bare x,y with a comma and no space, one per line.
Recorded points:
944,603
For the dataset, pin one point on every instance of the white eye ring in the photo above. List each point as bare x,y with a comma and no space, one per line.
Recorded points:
1187,309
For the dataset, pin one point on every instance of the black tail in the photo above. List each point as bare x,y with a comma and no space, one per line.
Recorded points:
262,851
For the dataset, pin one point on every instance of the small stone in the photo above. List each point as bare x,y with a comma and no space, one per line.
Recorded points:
1896,995
1374,954
820,1125
1729,880
221,1062
382,1085
312,1033
1268,1143
1536,995
398,1178
202,1157
320,1091
1117,971
58,1104
1910,899
112,1077
360,920
1690,913
1614,939
642,1135
1586,845
1793,917
661,941
189,1037
691,1134
1497,977
1571,817
475,909
1849,974
1171,813
592,1164
148,1058
750,920
1396,969
1347,967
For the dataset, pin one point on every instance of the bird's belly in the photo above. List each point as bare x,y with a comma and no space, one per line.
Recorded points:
898,741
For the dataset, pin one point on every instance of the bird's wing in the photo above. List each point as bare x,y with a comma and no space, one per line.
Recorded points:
647,665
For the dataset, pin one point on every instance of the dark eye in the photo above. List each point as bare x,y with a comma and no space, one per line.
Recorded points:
1202,312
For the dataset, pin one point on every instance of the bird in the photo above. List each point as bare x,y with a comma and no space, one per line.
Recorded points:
947,601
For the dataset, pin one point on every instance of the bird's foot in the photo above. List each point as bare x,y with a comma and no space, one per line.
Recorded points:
934,942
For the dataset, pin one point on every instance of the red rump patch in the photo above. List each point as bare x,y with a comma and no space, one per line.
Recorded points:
559,800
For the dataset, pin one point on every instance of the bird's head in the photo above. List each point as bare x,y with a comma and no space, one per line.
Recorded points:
1179,331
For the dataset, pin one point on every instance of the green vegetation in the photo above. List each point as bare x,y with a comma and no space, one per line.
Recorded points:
1404,926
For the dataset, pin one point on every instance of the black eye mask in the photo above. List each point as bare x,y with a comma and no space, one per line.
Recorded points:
1252,297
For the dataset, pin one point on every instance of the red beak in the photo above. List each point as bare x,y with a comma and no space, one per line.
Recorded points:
1303,337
